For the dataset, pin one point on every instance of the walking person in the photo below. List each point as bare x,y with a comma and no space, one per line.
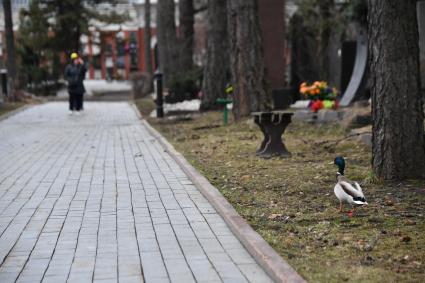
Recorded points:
75,73
109,64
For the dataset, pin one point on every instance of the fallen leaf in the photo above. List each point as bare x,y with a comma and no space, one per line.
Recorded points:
409,222
405,239
245,178
274,216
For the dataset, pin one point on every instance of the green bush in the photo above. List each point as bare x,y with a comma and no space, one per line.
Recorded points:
185,86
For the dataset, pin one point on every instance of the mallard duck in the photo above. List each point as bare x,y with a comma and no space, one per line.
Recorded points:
345,190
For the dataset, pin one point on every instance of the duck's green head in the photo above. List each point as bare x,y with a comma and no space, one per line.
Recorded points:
340,162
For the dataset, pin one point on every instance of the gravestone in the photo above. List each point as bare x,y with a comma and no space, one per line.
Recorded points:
348,55
358,78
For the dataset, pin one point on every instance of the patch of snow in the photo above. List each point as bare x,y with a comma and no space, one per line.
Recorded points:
62,93
300,104
187,105
100,86
96,86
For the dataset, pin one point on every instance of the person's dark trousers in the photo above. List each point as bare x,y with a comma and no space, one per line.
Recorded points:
79,101
75,101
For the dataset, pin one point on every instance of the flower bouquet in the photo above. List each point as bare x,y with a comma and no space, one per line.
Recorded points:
321,96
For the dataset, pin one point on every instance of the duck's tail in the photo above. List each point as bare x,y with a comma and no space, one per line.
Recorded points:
360,201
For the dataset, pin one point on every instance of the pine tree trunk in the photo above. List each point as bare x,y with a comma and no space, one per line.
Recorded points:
421,25
246,58
398,119
167,40
76,41
148,37
217,57
67,37
10,46
326,7
186,32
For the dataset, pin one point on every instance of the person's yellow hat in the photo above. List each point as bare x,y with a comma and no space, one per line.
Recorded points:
74,56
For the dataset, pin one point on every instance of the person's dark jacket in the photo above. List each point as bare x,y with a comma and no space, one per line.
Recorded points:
74,75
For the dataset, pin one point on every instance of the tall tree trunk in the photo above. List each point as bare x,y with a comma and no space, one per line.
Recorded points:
421,25
68,36
398,120
217,58
186,34
10,46
148,36
246,58
167,40
76,40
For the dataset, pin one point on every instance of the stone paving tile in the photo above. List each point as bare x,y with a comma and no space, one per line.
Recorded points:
95,198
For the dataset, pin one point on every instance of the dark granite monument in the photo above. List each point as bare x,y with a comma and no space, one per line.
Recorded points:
272,22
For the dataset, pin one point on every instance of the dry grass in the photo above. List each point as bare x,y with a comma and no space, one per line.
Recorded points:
10,106
145,106
290,202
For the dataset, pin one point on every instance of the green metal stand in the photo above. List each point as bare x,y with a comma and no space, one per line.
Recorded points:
224,102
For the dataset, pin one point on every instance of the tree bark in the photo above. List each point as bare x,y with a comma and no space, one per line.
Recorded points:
246,58
148,37
186,34
217,56
421,25
10,46
67,36
167,40
398,150
325,7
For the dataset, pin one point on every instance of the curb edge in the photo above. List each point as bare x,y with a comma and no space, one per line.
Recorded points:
15,111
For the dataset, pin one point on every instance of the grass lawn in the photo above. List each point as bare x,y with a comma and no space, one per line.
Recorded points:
291,203
145,106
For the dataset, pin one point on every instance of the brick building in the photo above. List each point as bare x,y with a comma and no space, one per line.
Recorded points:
121,48
116,50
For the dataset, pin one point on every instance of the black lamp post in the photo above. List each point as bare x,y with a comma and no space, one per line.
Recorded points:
159,97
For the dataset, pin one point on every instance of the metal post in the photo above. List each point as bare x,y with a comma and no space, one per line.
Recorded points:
159,97
225,115
4,83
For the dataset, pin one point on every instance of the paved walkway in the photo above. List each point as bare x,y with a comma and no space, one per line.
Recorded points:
96,198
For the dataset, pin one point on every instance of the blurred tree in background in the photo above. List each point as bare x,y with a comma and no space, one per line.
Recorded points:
176,48
34,46
167,39
186,33
217,55
50,28
10,44
315,28
246,58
